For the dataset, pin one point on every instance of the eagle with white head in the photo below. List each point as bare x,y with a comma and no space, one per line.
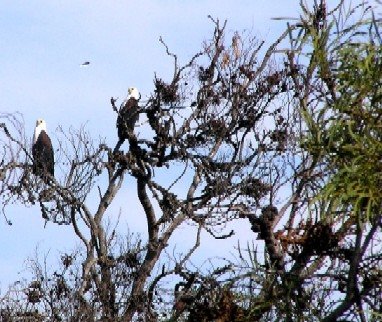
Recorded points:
42,151
128,116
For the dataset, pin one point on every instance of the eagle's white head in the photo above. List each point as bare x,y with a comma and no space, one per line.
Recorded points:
134,93
40,126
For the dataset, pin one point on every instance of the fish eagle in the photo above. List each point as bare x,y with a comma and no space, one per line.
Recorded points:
128,115
42,151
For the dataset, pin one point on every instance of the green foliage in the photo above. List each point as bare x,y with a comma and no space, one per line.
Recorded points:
346,134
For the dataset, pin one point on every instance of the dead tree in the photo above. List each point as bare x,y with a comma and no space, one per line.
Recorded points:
207,123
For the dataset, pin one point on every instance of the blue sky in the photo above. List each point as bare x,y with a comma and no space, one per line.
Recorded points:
44,42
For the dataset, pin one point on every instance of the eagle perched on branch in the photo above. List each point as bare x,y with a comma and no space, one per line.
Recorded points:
128,116
42,151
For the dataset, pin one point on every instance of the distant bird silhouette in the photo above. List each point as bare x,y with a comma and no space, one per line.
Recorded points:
85,64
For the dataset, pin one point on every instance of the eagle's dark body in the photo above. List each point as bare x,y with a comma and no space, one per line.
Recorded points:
42,152
127,118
